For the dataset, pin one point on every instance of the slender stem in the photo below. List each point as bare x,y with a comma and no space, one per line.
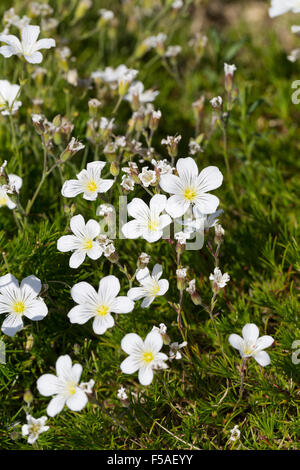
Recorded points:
118,104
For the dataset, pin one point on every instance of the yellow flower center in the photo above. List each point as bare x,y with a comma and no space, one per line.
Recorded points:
71,388
19,307
92,186
87,244
248,350
102,310
3,201
153,224
190,194
155,289
148,357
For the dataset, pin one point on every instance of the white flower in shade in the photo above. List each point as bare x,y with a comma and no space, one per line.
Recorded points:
216,102
250,345
235,433
147,223
151,285
162,166
173,51
98,305
147,177
177,4
174,350
19,301
127,183
122,395
87,387
34,427
64,386
229,69
191,188
28,47
8,97
13,186
137,89
144,356
182,237
294,55
82,242
89,182
279,7
107,15
219,280
155,41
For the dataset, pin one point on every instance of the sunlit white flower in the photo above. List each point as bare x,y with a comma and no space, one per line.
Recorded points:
8,97
162,166
98,305
110,75
219,280
144,356
13,186
28,47
82,242
250,345
235,433
122,395
87,387
279,7
151,285
64,386
20,301
34,427
191,188
89,182
148,222
137,89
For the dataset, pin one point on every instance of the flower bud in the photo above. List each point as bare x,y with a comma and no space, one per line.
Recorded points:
28,397
114,168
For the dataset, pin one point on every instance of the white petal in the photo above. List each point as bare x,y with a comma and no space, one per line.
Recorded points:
138,209
12,41
67,243
8,281
264,342
157,271
132,343
145,375
83,293
147,301
163,285
77,401
109,288
44,44
29,35
63,366
158,203
250,333
136,293
101,324
177,206
7,51
164,220
35,58
56,405
122,304
31,286
92,228
236,341
47,385
95,252
171,184
263,358
187,169
152,236
105,185
95,168
130,365
133,229
37,310
77,225
15,180
77,259
153,341
71,188
80,314
207,203
210,178
76,372
12,324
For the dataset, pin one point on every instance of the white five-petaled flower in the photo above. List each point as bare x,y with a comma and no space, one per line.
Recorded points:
151,285
144,356
137,89
99,305
19,301
191,188
8,97
219,280
34,427
89,182
82,242
250,345
28,47
148,222
279,7
14,185
235,433
64,386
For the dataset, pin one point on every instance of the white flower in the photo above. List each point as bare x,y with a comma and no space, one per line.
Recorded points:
177,4
127,183
137,88
295,29
147,223
154,41
294,55
64,386
19,301
8,97
98,305
191,289
13,186
251,345
122,395
147,177
82,242
279,7
29,45
152,285
219,280
181,273
216,102
34,427
87,387
182,237
144,356
89,182
162,330
107,15
229,69
110,75
191,188
163,166
235,433
174,350
173,51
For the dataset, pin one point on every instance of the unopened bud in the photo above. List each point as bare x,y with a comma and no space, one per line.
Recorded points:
114,168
